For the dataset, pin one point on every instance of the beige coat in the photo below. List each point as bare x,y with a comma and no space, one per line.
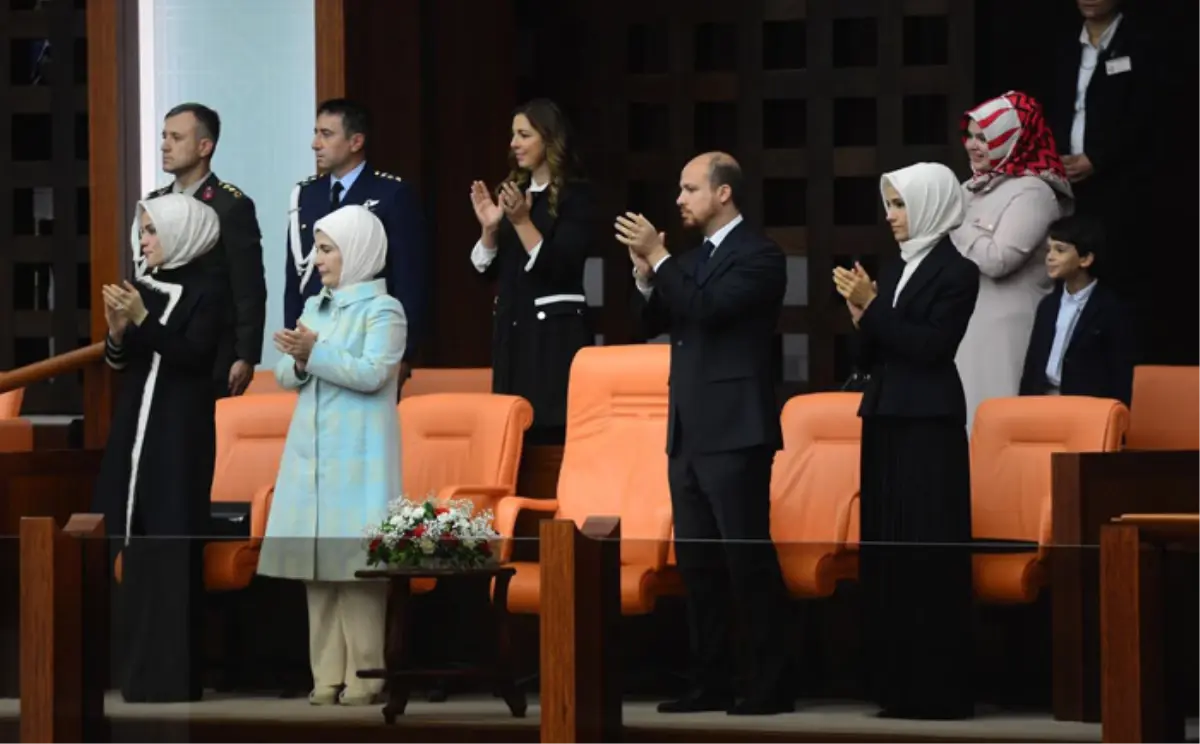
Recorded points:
1004,233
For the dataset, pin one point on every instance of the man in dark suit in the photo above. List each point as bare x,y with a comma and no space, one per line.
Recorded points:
720,303
1102,111
339,141
189,139
1083,340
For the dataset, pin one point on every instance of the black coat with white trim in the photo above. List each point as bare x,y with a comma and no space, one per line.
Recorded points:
540,316
165,368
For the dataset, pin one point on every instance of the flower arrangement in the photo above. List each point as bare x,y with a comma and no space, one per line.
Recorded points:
432,534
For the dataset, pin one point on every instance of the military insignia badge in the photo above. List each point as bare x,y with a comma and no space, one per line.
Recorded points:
371,203
208,193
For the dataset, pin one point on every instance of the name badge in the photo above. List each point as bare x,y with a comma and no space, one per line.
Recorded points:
1117,66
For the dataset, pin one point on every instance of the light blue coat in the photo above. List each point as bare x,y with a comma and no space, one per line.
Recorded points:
341,464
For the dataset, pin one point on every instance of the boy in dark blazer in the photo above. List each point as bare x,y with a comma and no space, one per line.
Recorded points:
1082,341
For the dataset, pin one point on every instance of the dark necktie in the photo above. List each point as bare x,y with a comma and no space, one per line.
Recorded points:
335,195
706,252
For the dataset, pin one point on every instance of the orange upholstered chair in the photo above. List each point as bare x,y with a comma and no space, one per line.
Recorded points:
426,380
1164,412
614,464
16,433
814,492
263,383
463,445
251,434
1011,444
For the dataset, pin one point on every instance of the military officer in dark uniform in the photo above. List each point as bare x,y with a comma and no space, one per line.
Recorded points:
190,134
339,141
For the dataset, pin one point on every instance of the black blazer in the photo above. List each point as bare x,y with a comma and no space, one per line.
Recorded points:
909,349
1120,111
540,315
722,329
1100,356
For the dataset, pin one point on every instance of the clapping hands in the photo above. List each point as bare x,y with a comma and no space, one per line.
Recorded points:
298,343
122,305
856,287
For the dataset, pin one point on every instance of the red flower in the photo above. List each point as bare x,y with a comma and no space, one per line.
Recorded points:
208,193
417,531
441,510
375,544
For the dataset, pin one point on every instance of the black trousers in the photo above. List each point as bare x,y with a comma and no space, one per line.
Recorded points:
722,507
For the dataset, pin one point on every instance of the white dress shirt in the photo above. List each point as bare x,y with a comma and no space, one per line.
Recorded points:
482,256
1069,310
1087,66
910,268
647,287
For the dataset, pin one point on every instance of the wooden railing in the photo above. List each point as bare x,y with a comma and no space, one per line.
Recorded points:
62,364
64,631
97,386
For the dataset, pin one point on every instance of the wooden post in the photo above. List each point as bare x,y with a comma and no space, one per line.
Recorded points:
331,49
1137,692
88,530
580,608
51,649
112,169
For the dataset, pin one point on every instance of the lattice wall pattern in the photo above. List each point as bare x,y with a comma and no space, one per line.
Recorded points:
44,279
816,99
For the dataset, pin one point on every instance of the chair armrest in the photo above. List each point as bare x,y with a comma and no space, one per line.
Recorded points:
845,520
16,435
260,510
665,521
482,496
507,511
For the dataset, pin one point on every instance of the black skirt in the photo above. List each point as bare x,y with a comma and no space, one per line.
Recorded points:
915,566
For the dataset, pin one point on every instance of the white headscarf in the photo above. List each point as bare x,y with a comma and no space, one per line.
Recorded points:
360,238
933,200
187,229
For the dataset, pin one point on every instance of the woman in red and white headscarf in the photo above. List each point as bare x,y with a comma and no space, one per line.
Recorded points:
1018,187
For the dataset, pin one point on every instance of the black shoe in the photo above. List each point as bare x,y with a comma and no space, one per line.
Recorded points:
763,706
698,701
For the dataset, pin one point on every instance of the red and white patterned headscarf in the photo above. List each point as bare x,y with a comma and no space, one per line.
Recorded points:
1019,142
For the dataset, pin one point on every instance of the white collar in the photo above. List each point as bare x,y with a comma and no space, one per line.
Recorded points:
1081,296
721,234
1105,38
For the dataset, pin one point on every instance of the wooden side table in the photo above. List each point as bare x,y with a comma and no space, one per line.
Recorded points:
400,671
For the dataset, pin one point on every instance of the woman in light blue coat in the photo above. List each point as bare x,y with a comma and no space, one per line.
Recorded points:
341,465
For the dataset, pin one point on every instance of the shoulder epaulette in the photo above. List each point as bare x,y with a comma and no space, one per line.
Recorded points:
237,194
311,179
388,176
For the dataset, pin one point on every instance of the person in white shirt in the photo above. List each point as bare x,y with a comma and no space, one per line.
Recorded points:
1083,341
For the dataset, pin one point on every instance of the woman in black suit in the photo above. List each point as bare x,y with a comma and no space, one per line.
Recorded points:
915,563
535,238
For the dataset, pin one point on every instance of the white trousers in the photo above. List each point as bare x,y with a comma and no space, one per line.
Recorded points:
346,633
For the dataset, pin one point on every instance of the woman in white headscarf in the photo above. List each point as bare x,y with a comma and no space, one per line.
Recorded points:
341,464
156,476
915,561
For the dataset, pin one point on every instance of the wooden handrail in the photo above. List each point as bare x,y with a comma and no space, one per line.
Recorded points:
59,364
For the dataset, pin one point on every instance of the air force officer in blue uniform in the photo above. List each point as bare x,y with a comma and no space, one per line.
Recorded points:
339,141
